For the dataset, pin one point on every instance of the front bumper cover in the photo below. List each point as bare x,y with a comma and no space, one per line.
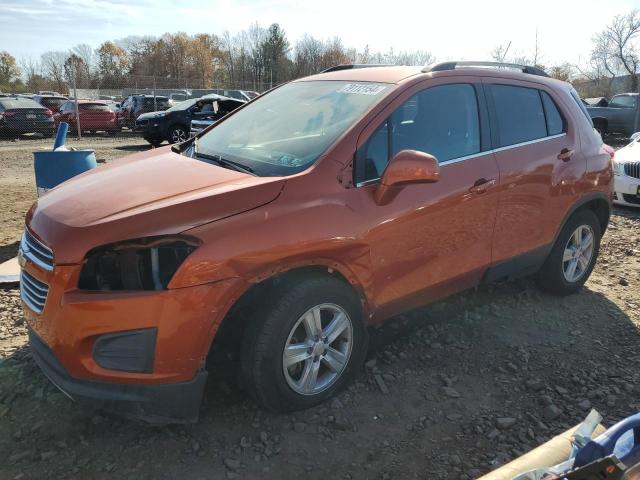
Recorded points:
151,403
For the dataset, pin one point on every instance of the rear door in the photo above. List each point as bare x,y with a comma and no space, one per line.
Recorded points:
538,154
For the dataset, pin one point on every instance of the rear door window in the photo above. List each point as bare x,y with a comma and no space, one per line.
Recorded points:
442,121
519,114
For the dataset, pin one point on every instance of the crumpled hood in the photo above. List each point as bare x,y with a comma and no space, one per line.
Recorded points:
152,115
152,193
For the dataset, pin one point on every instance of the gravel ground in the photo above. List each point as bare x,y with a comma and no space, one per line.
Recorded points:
449,391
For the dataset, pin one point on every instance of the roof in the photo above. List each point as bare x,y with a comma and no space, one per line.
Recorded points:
391,74
400,74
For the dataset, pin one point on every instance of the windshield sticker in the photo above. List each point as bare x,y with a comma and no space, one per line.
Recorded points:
362,88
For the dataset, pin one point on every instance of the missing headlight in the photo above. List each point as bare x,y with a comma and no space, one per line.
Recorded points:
140,264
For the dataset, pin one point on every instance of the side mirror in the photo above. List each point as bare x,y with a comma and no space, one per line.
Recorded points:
635,136
406,167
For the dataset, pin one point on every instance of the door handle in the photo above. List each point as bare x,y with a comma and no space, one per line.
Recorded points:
565,154
482,185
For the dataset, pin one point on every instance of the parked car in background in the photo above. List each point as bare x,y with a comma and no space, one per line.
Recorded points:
237,94
626,167
621,115
174,124
135,105
95,115
53,103
179,96
49,93
596,102
20,115
322,207
113,105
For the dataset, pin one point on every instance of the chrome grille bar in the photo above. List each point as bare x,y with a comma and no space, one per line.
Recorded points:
32,249
33,292
632,169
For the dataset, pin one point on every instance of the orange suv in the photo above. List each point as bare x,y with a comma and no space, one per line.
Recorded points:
300,219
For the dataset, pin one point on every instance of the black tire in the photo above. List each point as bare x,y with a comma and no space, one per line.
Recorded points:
601,127
174,134
551,277
155,142
270,328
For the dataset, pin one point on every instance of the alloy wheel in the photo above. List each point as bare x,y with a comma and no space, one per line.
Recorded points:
317,349
178,135
578,253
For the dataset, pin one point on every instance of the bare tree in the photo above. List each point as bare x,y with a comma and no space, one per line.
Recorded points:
615,48
53,67
499,53
32,70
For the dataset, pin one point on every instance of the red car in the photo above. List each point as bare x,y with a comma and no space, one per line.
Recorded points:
94,116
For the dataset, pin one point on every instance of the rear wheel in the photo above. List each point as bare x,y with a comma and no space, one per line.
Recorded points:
305,346
573,256
178,134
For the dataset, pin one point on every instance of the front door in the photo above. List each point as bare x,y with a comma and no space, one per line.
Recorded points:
431,239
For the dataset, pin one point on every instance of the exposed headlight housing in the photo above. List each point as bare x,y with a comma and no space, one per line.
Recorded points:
140,264
618,168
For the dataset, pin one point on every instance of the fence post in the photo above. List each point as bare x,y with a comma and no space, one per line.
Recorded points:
76,108
155,102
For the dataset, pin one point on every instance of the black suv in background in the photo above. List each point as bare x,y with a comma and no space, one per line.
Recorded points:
135,105
174,124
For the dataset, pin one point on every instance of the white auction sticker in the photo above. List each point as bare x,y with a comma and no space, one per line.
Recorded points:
362,88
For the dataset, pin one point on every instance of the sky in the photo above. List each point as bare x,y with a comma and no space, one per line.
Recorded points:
449,29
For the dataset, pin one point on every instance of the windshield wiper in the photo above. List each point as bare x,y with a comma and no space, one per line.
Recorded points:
224,162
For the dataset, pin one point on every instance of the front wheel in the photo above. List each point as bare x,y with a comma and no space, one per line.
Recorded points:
178,134
573,256
305,346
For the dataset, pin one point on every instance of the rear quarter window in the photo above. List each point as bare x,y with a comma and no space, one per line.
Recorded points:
555,121
581,106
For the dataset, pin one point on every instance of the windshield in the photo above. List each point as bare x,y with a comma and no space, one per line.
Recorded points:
286,130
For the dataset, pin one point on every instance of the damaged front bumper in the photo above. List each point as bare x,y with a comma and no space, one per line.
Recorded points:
152,403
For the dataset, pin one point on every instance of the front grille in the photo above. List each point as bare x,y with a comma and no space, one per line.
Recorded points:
632,169
631,198
34,250
33,292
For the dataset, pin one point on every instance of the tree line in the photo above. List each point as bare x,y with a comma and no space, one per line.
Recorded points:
258,58
254,59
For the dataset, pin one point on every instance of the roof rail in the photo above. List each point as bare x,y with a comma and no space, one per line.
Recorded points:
349,66
441,67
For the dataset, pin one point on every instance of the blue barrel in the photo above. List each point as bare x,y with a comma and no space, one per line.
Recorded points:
53,168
